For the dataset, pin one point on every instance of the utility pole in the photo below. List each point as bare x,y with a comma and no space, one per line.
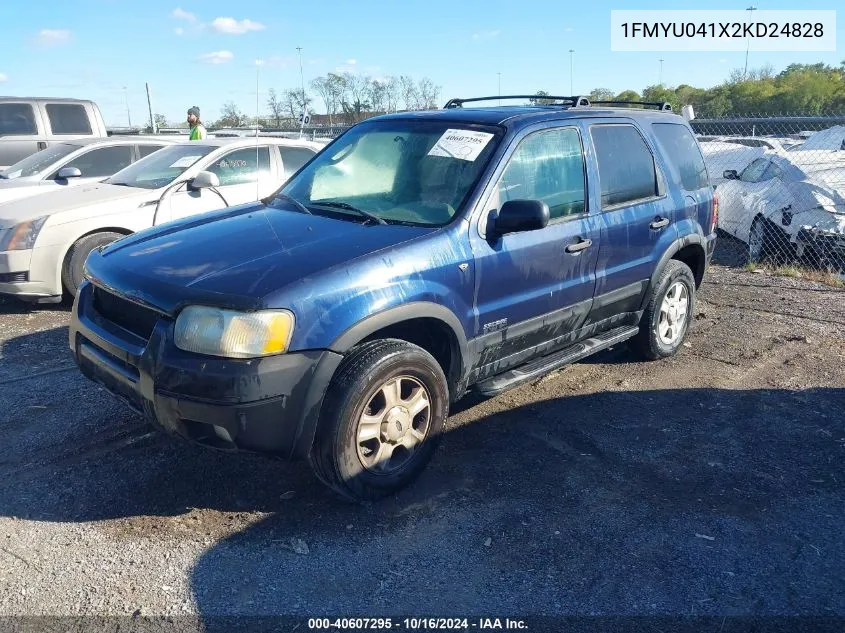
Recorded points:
302,86
500,87
126,97
258,63
153,126
751,11
571,70
660,76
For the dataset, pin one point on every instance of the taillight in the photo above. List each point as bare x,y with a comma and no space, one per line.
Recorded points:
715,212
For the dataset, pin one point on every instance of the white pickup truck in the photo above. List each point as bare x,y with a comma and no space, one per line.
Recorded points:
30,124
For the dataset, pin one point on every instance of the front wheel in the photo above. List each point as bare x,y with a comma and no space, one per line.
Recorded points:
74,264
381,420
667,316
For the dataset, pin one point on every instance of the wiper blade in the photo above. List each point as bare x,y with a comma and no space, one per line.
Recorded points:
301,207
349,207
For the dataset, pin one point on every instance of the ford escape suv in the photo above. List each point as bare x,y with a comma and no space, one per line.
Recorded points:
417,257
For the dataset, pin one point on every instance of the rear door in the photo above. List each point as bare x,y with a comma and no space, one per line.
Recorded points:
245,176
19,132
531,292
638,216
293,158
96,164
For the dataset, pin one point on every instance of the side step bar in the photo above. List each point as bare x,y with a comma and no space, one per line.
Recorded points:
542,366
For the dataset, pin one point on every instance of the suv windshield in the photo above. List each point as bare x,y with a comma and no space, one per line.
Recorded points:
160,168
410,172
39,161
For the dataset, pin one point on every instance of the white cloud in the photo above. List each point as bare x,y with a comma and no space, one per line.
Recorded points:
179,30
52,37
216,58
351,62
345,68
568,29
3,77
181,14
235,27
723,61
485,35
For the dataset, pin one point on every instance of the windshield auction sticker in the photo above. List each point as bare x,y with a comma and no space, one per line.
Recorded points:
185,161
462,144
728,30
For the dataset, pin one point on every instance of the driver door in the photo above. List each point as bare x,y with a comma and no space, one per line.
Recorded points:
245,176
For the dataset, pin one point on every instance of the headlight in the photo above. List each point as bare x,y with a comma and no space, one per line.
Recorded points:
232,334
21,236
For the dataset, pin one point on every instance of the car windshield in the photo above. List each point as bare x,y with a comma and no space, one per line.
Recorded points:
395,172
160,168
38,162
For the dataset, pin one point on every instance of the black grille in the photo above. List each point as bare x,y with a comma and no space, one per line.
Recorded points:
13,278
130,316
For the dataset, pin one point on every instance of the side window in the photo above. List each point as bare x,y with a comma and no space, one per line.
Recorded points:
626,166
242,166
772,171
146,150
685,160
103,162
754,171
293,158
68,118
547,166
17,119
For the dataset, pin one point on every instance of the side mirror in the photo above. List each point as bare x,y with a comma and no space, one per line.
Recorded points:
517,216
730,174
204,180
66,173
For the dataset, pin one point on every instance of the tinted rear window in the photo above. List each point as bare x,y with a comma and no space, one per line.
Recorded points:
17,118
685,160
293,158
68,118
146,150
626,166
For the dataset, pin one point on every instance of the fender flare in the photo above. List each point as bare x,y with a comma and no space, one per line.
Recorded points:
675,247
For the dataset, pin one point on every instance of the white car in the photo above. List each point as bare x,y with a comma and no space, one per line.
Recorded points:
74,162
45,240
793,204
722,154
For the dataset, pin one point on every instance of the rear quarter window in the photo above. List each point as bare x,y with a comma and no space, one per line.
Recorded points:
686,163
68,118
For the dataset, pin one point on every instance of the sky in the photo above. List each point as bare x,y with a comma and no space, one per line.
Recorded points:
204,53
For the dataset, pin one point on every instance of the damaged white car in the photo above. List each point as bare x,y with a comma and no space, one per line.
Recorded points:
791,206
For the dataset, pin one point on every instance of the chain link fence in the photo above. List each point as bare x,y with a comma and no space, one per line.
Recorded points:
780,181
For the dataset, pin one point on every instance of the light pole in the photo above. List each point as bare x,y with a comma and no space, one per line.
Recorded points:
571,66
302,88
500,87
258,64
660,76
126,97
751,11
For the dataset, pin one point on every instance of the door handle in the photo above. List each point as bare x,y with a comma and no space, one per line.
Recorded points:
659,223
579,246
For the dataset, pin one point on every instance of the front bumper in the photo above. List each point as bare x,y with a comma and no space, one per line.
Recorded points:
268,405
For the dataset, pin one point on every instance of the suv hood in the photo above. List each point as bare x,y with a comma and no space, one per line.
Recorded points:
235,257
51,202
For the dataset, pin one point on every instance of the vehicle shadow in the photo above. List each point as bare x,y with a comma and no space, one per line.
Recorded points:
672,501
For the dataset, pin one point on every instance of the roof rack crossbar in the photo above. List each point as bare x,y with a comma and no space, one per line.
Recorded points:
660,105
575,102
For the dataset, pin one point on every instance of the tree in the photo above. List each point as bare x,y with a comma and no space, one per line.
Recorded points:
231,116
658,93
601,94
277,107
392,93
628,95
355,103
537,99
160,120
377,90
296,102
410,94
428,94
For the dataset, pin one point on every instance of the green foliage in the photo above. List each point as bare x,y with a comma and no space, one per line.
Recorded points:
799,88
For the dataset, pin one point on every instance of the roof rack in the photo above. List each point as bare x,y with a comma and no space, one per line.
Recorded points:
572,102
660,105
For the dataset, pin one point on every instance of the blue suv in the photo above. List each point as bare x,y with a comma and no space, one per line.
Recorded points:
419,256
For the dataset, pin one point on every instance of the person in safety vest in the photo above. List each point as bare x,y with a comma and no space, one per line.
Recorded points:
198,132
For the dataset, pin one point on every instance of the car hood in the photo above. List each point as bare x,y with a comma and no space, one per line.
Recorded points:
16,191
67,199
236,257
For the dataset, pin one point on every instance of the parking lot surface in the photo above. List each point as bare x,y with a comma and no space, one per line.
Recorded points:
709,483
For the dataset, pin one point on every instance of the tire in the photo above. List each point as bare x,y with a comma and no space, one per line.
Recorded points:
74,264
350,465
768,243
649,342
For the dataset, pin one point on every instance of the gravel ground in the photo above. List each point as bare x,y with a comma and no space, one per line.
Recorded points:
710,483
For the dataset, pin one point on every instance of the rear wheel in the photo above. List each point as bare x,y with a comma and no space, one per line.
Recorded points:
74,265
667,316
381,420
